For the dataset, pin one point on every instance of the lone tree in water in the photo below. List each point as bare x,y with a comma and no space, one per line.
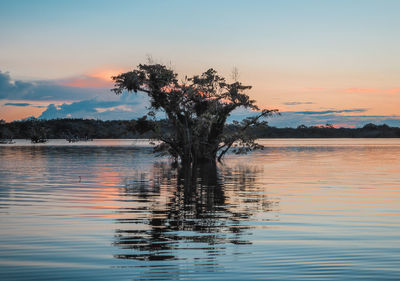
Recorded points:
197,109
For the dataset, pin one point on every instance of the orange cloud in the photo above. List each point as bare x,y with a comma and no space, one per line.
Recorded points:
97,79
106,74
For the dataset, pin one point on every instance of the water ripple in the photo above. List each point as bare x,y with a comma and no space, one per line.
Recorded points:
298,210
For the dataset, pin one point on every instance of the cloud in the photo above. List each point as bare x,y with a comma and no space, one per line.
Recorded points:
100,78
297,102
314,118
21,104
133,106
331,111
89,101
294,119
70,101
45,90
86,81
126,107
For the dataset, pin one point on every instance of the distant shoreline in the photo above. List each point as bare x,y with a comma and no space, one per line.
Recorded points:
124,129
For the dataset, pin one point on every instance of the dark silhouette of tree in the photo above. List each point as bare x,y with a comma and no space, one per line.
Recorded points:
197,109
38,132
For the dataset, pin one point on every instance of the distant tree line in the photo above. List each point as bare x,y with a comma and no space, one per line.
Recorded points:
141,128
66,128
328,131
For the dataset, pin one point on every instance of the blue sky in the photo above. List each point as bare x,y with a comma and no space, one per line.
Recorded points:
299,56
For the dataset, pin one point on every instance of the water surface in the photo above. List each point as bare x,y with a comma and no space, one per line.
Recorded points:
301,209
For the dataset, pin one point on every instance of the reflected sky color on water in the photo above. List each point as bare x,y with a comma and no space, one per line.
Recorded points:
106,210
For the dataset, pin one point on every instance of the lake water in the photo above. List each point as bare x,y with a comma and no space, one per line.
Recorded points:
301,209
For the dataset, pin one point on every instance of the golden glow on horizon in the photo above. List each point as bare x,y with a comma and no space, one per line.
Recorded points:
10,113
385,102
270,90
106,74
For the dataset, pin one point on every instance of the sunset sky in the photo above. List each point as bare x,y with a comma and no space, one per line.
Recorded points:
317,61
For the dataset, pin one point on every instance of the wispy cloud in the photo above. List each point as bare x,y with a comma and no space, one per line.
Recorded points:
323,112
294,119
297,102
315,118
21,104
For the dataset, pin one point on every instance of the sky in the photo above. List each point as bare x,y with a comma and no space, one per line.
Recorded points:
318,62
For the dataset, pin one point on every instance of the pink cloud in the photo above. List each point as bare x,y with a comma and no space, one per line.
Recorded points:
86,82
97,79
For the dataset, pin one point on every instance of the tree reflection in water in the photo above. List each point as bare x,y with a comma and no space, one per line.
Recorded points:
203,208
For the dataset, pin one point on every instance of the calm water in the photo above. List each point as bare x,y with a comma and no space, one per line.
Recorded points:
322,209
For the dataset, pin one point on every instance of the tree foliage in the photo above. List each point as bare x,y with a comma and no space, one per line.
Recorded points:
197,108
